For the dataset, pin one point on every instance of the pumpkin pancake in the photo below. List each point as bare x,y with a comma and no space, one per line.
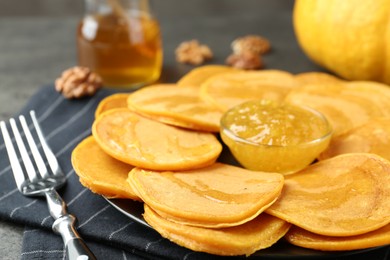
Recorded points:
346,105
372,94
177,106
372,137
259,233
307,78
229,89
149,144
300,237
101,173
118,100
346,195
216,196
199,75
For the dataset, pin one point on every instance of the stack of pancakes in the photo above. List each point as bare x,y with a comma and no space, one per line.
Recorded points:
158,145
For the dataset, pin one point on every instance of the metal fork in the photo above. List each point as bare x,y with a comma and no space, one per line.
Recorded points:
37,181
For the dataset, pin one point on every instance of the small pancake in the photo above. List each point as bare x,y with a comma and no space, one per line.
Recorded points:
259,233
216,196
149,144
346,105
200,74
300,237
345,195
307,78
229,89
118,100
176,106
373,95
372,137
101,173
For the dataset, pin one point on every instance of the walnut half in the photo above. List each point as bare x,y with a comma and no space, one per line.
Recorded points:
245,60
192,52
251,43
78,82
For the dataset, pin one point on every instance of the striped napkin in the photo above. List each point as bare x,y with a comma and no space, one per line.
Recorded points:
109,233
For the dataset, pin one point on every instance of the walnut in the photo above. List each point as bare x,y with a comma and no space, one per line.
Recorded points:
245,60
251,43
192,52
78,82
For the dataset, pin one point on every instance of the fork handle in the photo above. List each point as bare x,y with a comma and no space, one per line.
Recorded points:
64,225
75,246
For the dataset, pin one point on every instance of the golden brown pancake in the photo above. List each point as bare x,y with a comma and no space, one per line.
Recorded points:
372,137
300,237
345,195
176,106
229,89
307,78
101,173
216,196
149,144
259,233
200,74
346,105
118,100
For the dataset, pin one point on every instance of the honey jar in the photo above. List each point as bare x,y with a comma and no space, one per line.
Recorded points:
121,41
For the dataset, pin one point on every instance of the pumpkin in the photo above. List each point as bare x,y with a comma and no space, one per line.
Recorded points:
351,38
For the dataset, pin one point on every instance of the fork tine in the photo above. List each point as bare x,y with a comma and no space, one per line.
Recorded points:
34,149
32,175
64,223
13,158
54,166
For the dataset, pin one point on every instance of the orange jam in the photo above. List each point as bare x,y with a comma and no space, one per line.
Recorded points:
275,137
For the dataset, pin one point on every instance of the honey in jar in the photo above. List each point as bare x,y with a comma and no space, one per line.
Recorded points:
121,43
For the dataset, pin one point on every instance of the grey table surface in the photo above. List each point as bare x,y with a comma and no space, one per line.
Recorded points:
37,42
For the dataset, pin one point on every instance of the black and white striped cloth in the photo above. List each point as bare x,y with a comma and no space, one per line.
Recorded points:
109,234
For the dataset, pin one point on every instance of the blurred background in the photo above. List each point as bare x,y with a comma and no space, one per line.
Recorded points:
37,41
38,38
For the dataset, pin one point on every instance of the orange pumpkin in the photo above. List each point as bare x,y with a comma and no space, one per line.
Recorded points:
350,38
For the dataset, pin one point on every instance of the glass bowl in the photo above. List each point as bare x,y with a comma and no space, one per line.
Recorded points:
271,136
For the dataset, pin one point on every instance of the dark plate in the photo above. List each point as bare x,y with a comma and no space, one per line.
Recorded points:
281,250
